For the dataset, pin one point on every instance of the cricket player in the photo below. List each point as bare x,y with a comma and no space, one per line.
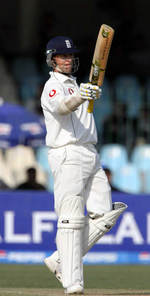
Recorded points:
79,180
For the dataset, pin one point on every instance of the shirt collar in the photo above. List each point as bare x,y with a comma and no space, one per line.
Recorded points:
62,77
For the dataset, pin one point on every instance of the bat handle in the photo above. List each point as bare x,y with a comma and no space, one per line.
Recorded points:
90,106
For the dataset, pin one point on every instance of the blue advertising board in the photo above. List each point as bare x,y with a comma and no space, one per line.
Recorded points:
28,229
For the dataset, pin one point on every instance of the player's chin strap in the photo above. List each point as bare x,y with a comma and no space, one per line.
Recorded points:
96,226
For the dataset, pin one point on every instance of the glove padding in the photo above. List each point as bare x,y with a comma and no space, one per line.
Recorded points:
90,91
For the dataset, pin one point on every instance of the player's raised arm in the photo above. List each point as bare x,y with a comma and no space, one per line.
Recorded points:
61,58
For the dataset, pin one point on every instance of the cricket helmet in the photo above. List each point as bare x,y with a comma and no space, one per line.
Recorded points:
61,45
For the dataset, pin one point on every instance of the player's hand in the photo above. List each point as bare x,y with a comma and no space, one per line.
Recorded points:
90,91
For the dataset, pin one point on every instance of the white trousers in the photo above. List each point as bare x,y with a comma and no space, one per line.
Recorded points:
77,171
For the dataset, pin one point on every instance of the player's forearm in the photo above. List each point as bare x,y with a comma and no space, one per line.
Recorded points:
70,104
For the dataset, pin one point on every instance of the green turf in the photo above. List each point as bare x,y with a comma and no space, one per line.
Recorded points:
96,277
118,277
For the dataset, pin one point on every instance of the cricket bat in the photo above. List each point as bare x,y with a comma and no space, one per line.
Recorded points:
100,57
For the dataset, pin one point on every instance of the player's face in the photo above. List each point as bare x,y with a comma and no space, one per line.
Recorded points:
64,63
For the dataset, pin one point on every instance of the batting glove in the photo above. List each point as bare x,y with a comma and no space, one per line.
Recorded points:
89,91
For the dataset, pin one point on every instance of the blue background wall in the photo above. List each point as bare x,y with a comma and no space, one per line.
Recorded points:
28,228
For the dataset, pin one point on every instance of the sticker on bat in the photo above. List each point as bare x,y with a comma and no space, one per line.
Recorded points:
105,33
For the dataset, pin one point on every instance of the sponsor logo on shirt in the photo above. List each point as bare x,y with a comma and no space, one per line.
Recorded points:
71,91
52,93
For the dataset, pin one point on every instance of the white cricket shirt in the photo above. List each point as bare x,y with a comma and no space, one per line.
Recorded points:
76,127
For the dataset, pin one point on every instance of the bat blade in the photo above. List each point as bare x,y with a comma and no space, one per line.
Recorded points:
100,58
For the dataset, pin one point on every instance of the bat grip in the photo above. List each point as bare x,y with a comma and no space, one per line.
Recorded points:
90,106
